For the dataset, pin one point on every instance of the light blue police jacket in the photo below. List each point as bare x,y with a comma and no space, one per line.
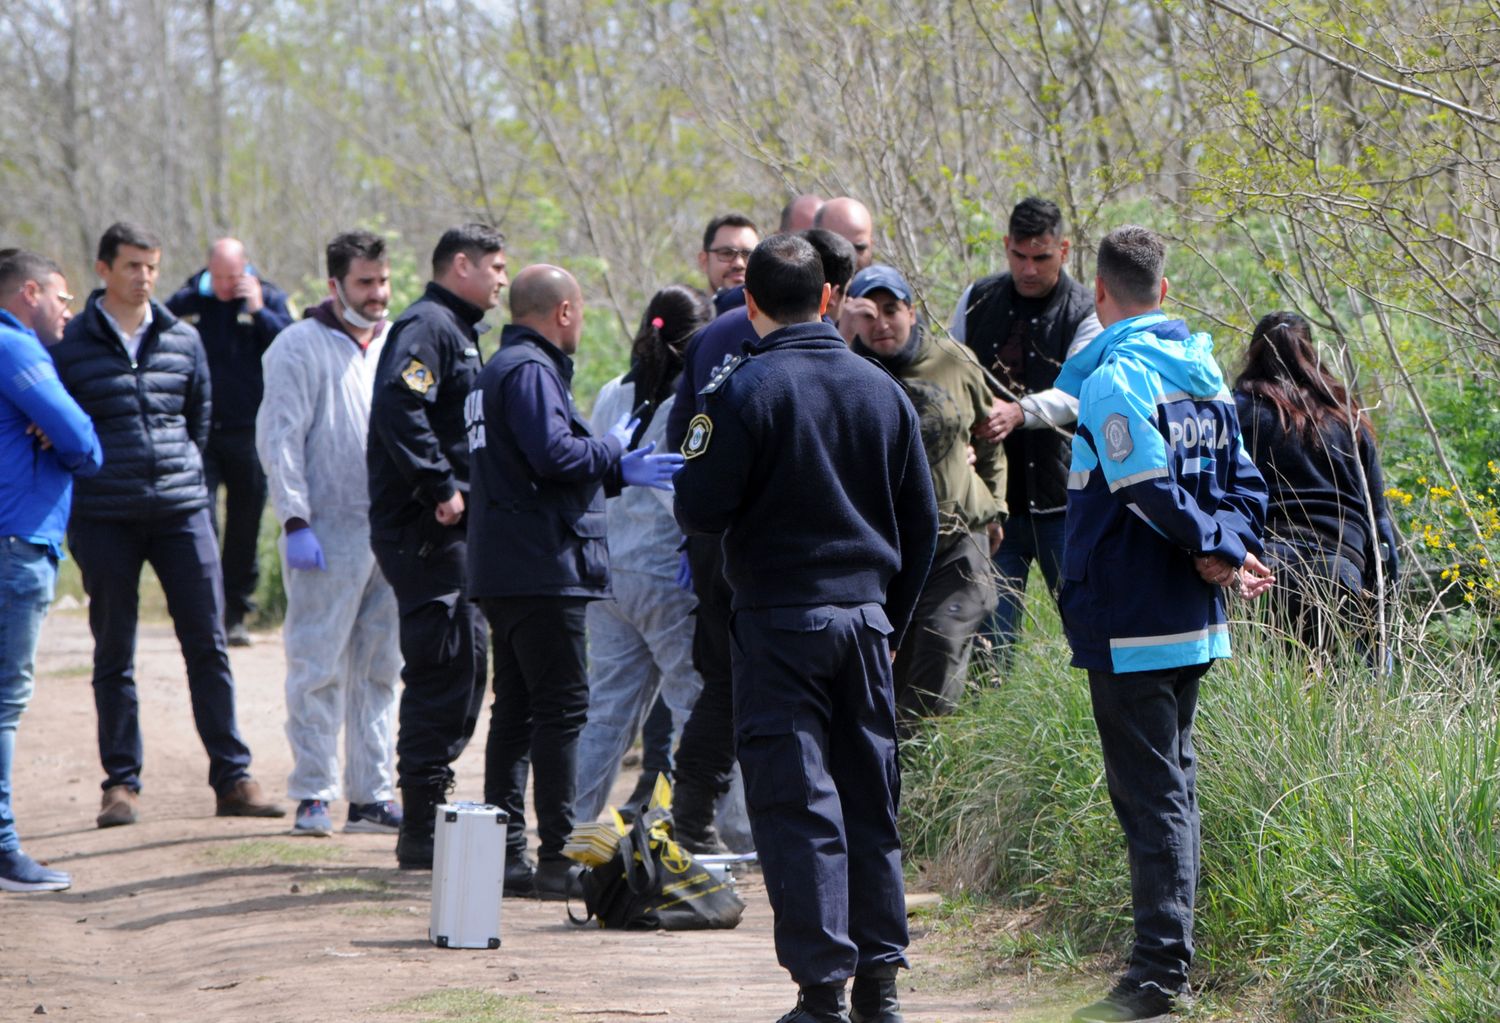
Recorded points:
1158,475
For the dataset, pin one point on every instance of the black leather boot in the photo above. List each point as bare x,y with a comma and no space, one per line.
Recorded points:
693,819
419,803
819,1003
873,998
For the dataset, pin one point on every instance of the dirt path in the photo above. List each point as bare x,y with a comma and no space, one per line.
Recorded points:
185,916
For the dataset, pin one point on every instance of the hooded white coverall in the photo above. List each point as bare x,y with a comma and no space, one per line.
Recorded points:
341,633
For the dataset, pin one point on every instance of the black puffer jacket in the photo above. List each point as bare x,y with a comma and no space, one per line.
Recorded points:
152,416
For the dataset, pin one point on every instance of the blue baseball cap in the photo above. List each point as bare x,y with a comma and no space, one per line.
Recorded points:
879,277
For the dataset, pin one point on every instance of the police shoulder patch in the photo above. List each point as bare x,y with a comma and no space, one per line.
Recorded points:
418,377
721,374
1117,441
700,429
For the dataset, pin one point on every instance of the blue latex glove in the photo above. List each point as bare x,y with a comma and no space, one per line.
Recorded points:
624,430
684,573
304,552
640,468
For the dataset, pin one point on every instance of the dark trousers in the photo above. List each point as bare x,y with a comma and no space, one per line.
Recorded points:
443,645
933,662
1145,721
815,721
541,703
705,753
656,738
182,550
1028,538
232,461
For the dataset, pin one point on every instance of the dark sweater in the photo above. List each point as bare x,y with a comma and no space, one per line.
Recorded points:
1316,497
814,471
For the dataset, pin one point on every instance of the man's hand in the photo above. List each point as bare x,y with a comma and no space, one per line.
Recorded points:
1253,578
450,511
1004,417
996,533
624,430
248,288
43,441
856,319
640,468
303,552
1214,570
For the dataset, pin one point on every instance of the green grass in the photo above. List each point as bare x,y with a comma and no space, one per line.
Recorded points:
273,852
366,885
467,1005
1351,865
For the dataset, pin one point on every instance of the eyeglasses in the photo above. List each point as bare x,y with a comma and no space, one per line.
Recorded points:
728,254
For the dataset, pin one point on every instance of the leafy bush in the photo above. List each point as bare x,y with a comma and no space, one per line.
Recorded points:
1351,865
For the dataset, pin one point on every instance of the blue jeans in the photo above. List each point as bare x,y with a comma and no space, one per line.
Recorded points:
1028,538
1145,721
27,575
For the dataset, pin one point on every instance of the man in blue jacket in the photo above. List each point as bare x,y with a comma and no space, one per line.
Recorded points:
809,461
141,375
237,315
537,556
45,438
1164,512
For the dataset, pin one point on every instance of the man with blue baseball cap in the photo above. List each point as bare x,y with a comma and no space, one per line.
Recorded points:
947,387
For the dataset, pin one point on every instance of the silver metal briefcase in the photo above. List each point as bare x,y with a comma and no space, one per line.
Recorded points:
468,876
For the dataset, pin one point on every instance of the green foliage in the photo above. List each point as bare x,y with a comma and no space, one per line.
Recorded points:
1351,864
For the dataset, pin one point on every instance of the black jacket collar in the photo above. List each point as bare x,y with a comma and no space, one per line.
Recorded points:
515,334
462,308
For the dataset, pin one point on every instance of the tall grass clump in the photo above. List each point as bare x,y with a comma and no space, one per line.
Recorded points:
1351,820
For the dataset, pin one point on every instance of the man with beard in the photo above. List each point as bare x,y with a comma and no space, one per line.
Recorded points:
948,389
342,653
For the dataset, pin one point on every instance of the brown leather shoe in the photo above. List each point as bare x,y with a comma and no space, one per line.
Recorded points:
247,800
118,806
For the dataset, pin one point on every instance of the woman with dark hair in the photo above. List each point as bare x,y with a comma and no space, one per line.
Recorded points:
1329,534
640,640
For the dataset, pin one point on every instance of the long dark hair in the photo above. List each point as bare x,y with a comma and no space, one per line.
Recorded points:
671,317
1283,368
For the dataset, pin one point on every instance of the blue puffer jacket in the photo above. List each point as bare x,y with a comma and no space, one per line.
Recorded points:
1158,475
152,415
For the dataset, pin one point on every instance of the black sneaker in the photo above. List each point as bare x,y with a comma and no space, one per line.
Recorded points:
1128,1002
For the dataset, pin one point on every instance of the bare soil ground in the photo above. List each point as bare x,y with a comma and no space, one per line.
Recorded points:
185,916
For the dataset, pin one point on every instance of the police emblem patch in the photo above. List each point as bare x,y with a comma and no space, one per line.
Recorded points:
418,377
698,434
1117,442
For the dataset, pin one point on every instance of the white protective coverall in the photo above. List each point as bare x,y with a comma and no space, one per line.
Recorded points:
641,639
343,657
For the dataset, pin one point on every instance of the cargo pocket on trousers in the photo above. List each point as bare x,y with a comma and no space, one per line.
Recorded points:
774,757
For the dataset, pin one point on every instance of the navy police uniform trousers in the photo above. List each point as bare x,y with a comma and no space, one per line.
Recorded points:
443,643
816,732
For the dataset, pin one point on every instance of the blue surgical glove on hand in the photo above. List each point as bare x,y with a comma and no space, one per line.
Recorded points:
684,573
640,468
624,430
304,552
